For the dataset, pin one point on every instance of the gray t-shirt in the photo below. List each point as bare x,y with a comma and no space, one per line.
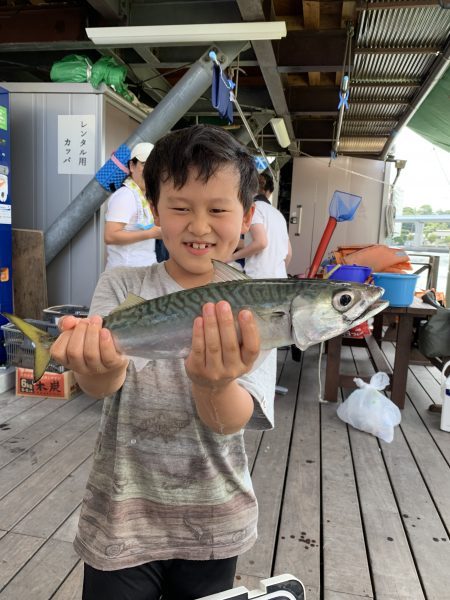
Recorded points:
163,485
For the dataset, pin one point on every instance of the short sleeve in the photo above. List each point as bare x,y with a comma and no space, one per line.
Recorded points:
111,290
121,207
260,383
258,215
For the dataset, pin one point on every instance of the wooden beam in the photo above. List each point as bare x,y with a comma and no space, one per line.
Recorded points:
293,22
311,14
348,12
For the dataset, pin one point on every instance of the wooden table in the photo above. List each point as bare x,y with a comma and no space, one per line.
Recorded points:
398,376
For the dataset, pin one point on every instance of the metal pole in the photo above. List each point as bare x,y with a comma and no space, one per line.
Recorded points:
171,108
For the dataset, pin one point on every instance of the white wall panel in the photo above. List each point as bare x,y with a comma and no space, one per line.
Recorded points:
313,184
40,193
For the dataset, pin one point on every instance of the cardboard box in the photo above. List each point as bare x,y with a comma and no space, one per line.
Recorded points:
61,386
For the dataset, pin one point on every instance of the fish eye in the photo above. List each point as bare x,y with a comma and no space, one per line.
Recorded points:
342,300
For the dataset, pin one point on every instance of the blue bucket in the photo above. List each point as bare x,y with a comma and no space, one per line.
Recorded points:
357,273
398,287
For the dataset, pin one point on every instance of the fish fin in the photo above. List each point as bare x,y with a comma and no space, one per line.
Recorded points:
224,272
130,300
42,341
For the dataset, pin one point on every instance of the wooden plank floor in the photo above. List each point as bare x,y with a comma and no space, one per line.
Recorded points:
350,516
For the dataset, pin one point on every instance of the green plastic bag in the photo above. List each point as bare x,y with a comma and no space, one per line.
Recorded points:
107,71
72,68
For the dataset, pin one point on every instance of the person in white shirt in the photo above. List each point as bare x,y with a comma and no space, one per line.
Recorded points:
267,249
130,232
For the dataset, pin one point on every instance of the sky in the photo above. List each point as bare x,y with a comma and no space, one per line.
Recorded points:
426,177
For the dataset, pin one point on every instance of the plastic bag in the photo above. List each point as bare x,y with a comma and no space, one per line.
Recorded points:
71,68
369,410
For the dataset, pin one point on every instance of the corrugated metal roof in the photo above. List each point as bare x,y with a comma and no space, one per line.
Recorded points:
403,28
362,127
388,67
402,41
379,110
361,145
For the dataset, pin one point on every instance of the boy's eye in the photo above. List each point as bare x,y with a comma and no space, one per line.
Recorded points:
218,210
180,209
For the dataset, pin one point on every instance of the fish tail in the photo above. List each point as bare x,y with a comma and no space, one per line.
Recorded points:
41,340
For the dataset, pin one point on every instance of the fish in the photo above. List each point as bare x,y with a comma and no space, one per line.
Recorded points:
289,311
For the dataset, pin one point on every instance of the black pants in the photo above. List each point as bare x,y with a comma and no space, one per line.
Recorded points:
165,579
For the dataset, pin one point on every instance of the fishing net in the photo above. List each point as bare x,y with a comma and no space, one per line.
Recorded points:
343,205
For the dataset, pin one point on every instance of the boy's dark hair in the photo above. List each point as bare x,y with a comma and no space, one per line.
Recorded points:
268,186
207,149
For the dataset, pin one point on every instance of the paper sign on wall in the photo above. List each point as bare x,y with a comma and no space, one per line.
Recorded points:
76,144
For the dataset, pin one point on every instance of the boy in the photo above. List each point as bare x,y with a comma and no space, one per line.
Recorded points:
169,503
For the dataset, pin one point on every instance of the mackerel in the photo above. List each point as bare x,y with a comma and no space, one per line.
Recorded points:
287,311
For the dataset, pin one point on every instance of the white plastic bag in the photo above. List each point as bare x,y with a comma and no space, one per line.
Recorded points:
369,410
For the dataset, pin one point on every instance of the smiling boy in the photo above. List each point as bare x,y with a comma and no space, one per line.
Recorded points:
169,503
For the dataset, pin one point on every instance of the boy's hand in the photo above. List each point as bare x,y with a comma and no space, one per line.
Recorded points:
216,357
86,348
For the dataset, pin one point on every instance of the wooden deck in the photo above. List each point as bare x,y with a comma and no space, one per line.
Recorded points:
350,516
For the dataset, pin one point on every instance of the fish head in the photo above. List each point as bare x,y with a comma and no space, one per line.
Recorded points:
327,309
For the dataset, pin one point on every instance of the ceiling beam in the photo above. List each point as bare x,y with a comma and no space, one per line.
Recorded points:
156,94
110,10
348,12
251,10
155,62
57,46
160,87
311,14
306,68
311,19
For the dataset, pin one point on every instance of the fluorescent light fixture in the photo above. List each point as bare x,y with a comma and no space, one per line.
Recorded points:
280,131
186,34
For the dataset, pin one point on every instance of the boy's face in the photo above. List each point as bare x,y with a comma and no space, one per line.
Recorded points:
200,222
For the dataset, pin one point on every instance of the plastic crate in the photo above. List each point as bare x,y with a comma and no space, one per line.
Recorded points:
20,350
54,313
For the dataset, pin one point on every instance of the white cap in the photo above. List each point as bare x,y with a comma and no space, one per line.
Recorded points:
141,151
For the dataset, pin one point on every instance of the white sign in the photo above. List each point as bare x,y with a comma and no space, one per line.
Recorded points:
5,214
76,144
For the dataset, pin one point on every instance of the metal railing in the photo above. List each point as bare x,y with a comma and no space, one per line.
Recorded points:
417,249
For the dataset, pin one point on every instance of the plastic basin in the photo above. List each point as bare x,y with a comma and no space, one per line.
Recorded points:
399,288
357,273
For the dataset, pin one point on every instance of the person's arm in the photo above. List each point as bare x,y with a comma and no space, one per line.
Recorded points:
216,361
287,260
115,233
89,350
258,243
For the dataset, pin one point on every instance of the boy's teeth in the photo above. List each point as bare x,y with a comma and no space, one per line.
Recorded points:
200,246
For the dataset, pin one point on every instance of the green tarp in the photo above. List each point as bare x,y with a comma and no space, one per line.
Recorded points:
432,119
